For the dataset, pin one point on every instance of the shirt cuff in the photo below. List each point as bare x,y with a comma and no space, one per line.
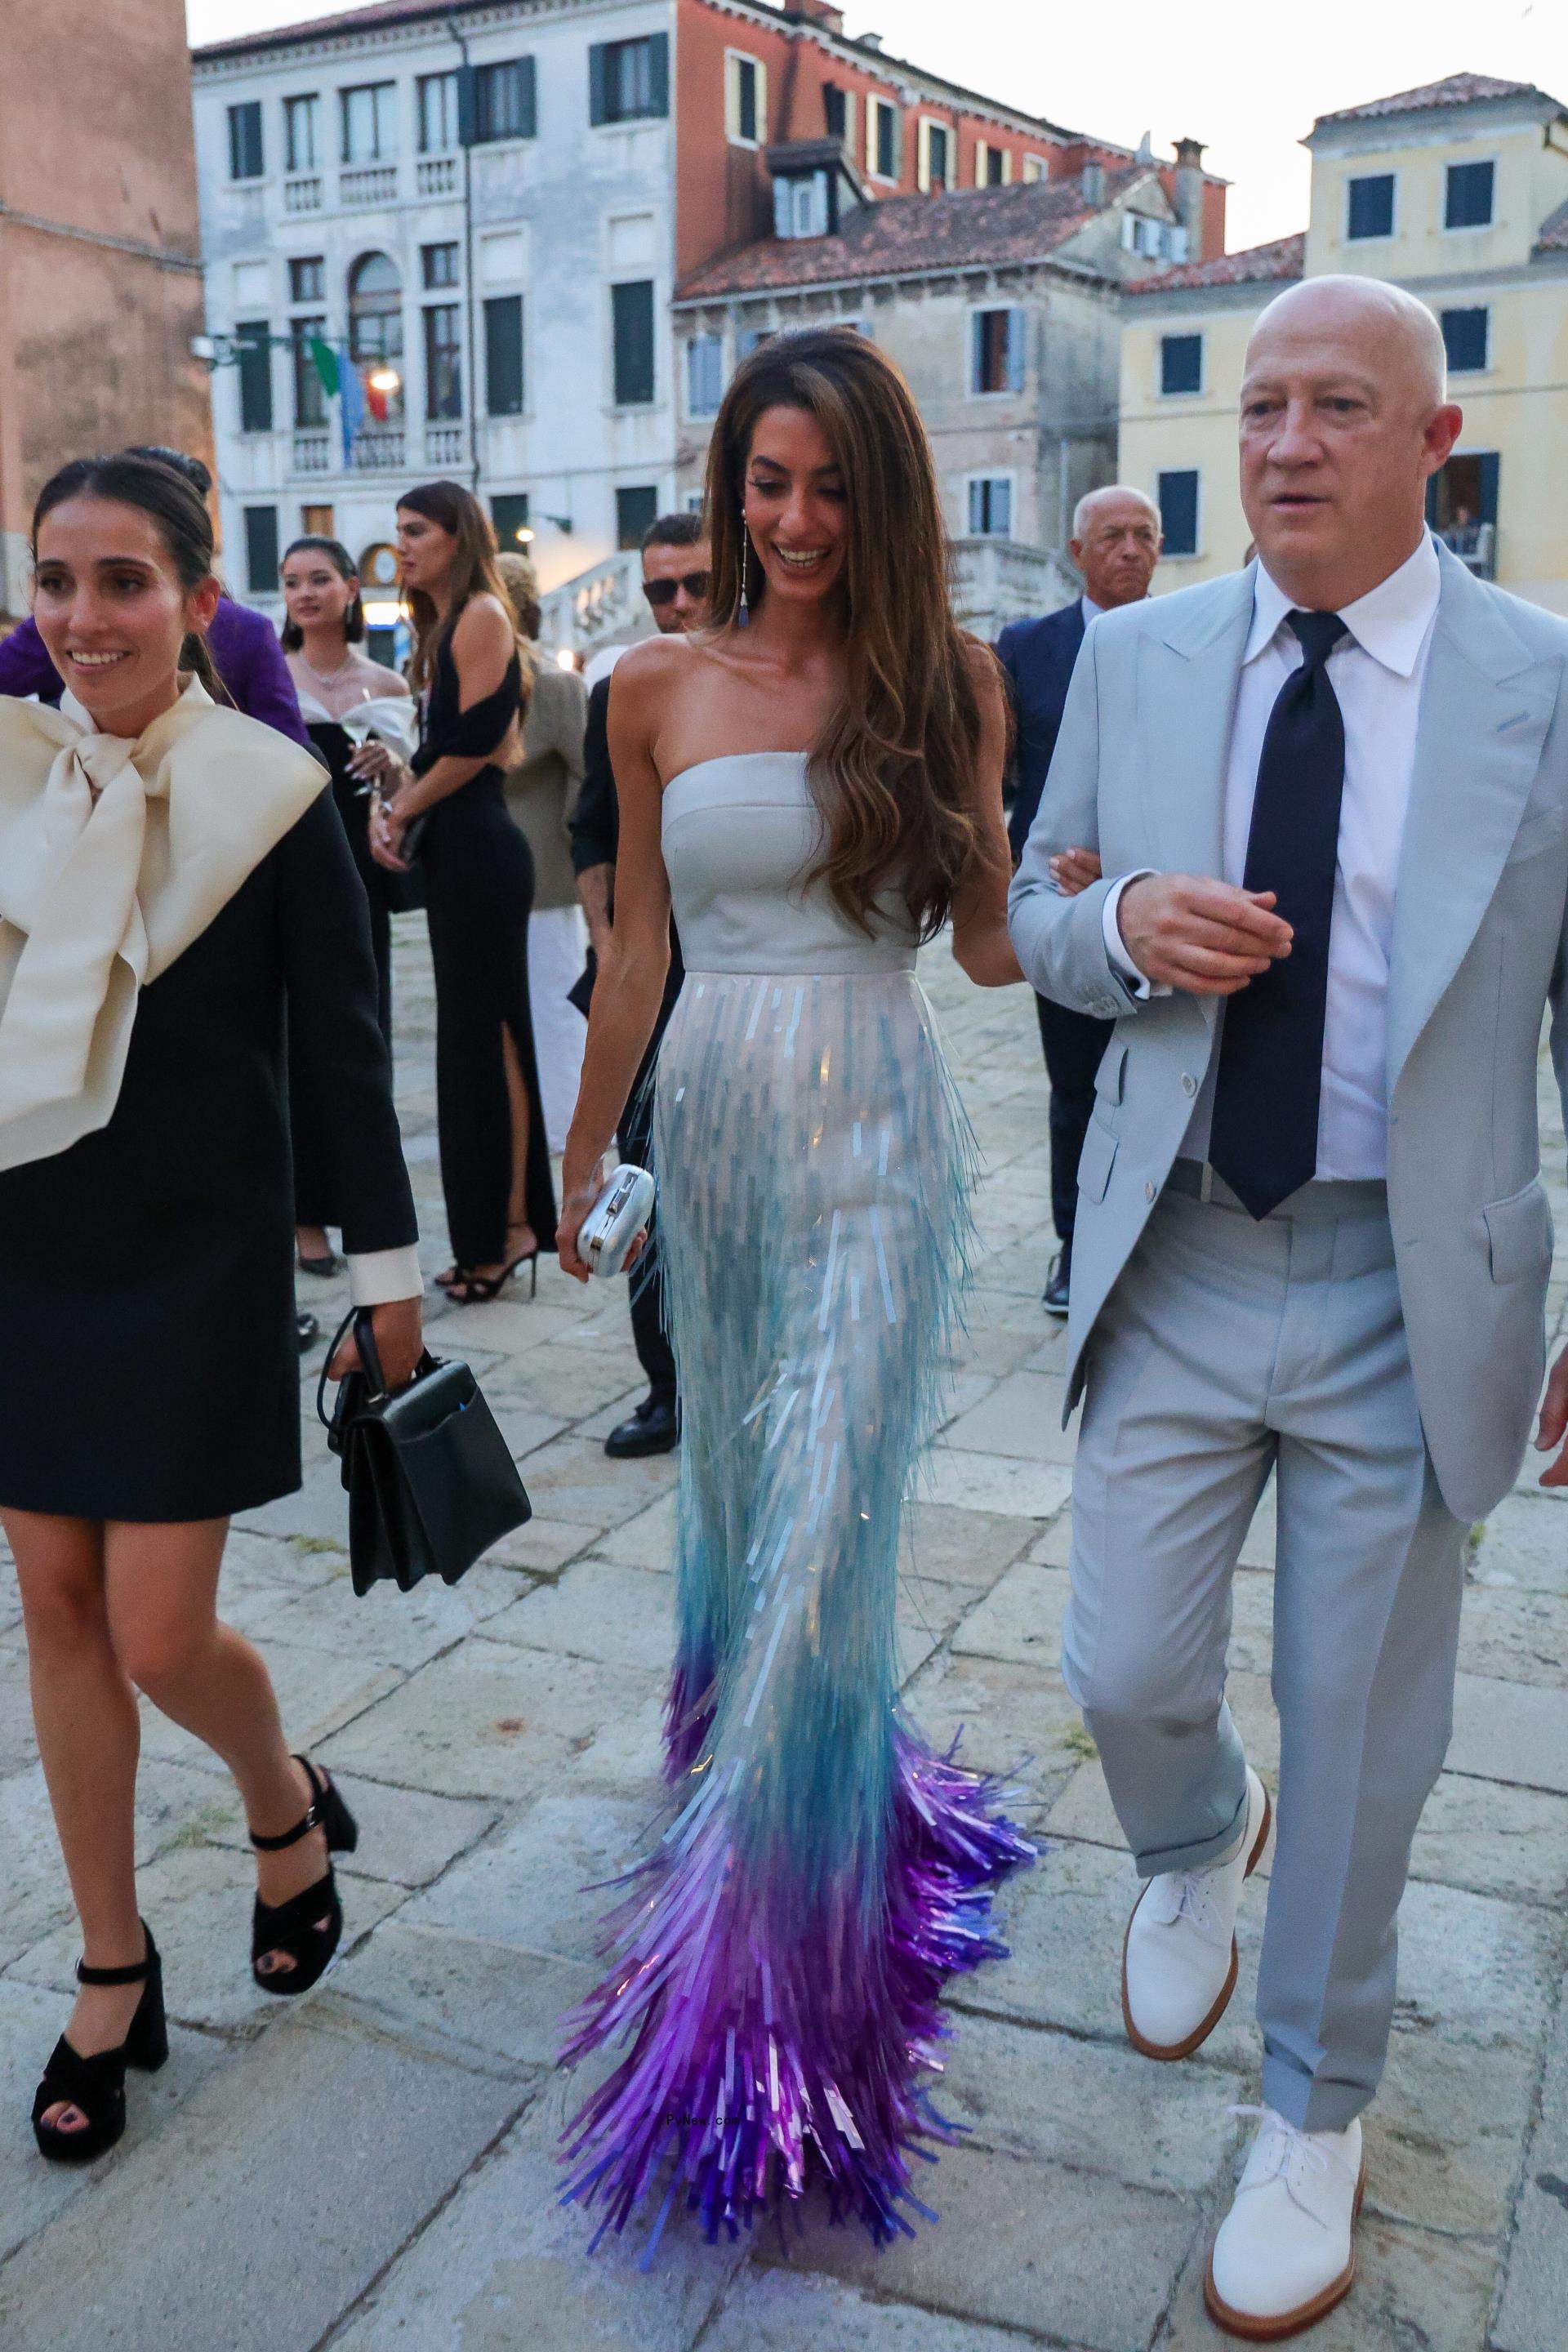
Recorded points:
1141,986
377,1277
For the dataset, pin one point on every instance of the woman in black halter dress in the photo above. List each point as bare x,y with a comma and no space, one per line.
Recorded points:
451,812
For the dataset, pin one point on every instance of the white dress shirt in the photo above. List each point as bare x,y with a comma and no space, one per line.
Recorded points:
1377,672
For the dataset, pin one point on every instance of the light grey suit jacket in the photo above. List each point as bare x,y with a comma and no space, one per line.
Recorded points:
1479,949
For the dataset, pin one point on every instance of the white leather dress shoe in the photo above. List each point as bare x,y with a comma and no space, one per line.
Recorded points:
1285,2254
1179,1961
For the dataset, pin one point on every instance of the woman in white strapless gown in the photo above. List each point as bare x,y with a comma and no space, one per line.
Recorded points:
777,1961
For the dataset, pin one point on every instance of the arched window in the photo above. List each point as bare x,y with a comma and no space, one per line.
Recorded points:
376,319
375,309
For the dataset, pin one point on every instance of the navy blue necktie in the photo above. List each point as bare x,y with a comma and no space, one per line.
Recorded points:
1264,1139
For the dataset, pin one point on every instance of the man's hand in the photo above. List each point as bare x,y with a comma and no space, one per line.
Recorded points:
1554,1423
1073,870
1188,931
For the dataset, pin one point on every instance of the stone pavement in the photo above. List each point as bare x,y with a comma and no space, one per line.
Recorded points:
372,2167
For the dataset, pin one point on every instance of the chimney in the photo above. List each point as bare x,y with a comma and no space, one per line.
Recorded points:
1093,180
1190,193
869,40
816,12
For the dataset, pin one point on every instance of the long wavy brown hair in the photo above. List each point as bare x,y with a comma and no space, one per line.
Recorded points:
891,770
474,574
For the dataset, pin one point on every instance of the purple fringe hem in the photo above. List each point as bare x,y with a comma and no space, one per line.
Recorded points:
774,2044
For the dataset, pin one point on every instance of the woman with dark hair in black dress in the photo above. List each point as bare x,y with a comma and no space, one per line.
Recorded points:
173,876
337,682
478,886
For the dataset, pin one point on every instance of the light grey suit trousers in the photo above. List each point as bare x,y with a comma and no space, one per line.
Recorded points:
1227,1350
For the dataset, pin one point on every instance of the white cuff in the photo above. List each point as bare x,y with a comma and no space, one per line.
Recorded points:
1116,946
377,1277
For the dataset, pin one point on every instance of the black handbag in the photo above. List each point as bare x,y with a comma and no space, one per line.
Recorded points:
430,1482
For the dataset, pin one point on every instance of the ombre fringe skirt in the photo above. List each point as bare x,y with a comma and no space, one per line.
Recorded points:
776,1961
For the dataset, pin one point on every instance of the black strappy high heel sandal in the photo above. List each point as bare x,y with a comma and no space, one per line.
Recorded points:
95,2086
479,1289
296,1926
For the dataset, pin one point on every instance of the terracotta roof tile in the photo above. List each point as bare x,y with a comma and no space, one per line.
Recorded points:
903,235
346,20
1256,265
1458,89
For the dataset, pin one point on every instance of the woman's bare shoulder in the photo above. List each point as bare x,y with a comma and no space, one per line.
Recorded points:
482,618
385,681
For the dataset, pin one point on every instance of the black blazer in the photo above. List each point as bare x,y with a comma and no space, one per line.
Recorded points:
1038,657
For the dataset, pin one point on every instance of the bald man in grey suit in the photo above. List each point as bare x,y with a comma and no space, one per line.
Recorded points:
1330,797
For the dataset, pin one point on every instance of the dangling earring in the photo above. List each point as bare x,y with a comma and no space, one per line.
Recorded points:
744,617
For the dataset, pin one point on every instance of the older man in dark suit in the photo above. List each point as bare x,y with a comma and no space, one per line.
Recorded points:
1115,544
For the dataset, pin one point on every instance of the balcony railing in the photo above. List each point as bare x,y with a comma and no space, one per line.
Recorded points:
371,184
437,177
378,451
312,452
446,445
601,606
303,195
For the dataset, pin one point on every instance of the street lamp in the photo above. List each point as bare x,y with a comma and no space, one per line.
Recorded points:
384,379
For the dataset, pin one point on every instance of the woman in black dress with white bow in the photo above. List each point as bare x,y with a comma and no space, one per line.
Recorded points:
172,876
451,808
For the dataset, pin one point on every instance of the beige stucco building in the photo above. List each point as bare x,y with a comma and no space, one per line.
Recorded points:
1457,191
100,277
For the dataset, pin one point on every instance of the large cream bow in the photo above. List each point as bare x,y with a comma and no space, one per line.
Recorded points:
114,856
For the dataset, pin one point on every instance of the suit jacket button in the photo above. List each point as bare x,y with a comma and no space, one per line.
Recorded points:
1148,1191
1189,1084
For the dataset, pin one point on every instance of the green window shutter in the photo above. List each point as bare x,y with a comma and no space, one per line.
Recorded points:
503,355
528,99
632,318
253,338
659,73
261,550
598,100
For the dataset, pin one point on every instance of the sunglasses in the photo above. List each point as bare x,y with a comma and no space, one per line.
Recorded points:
662,591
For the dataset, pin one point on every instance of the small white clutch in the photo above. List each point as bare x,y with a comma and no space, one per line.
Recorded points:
619,1214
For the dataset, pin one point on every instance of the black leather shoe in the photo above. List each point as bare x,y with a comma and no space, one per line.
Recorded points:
308,1330
654,1428
1056,1298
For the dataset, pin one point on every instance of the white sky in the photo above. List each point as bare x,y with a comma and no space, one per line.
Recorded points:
1203,68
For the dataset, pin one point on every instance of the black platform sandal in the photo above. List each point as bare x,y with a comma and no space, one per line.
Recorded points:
95,2086
296,1926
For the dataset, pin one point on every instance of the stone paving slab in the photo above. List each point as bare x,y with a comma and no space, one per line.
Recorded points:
1534,2313
271,2201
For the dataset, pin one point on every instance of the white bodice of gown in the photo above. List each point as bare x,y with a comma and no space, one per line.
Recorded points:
740,835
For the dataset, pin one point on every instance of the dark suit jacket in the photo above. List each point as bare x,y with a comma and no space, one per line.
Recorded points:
244,650
595,829
1038,657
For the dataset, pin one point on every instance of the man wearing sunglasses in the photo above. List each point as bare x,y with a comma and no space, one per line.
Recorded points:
676,581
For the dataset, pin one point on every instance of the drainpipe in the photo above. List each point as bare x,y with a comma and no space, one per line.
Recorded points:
466,140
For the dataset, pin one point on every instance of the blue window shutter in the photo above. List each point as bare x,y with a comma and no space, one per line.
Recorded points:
527,98
467,127
1014,351
977,351
1489,467
598,100
659,73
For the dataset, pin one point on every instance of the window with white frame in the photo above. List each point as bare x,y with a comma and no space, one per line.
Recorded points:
884,159
370,122
993,165
1035,168
1369,207
745,99
1181,365
1468,195
991,506
800,205
1467,339
935,172
302,132
438,100
839,116
1157,240
996,350
704,375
